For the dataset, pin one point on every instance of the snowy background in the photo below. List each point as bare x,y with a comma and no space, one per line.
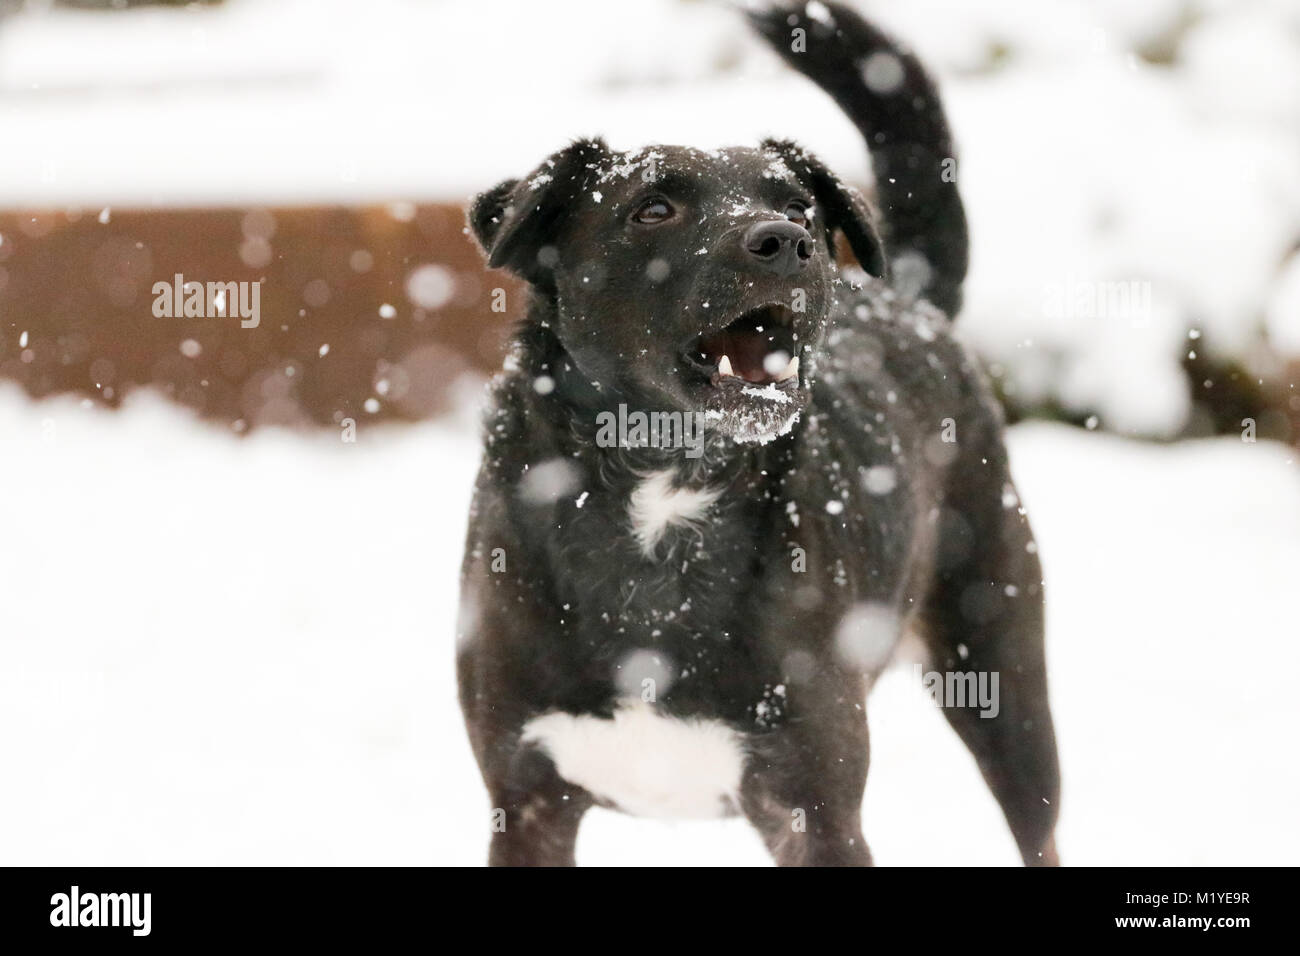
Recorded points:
1100,141
230,650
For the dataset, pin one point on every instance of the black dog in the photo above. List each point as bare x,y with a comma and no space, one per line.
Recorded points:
681,628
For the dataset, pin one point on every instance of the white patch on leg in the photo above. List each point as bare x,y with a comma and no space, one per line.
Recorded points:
645,763
655,504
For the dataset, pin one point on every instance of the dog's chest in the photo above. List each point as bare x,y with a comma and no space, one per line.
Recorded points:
645,762
657,508
660,554
663,568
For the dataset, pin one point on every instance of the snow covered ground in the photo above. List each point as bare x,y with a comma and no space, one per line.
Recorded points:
223,651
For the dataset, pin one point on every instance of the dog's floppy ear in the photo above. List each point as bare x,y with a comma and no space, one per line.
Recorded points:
488,211
840,206
516,220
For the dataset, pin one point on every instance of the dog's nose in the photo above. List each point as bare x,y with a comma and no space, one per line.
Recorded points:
779,246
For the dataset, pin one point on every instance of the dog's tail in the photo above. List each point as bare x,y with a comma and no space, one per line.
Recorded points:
887,94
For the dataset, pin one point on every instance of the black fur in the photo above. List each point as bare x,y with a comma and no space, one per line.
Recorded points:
557,592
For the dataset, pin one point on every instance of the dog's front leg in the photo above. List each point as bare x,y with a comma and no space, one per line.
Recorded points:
807,830
535,814
803,787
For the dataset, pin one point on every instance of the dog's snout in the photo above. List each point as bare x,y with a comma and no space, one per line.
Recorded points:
778,246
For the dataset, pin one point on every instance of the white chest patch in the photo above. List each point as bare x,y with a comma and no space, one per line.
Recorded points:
645,763
655,504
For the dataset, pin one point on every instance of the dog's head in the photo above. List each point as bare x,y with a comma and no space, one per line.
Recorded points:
683,279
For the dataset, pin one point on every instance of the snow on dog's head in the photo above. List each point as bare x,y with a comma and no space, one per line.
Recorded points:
681,278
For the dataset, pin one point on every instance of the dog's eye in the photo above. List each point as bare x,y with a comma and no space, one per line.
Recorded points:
798,213
652,211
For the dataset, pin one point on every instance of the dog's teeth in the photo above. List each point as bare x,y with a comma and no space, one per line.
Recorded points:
724,366
791,370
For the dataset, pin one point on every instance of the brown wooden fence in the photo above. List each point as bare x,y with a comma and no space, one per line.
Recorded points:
365,312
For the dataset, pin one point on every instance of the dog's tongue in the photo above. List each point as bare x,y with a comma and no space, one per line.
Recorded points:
746,349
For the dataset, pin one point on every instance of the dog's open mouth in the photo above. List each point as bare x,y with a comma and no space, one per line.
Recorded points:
748,374
757,348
